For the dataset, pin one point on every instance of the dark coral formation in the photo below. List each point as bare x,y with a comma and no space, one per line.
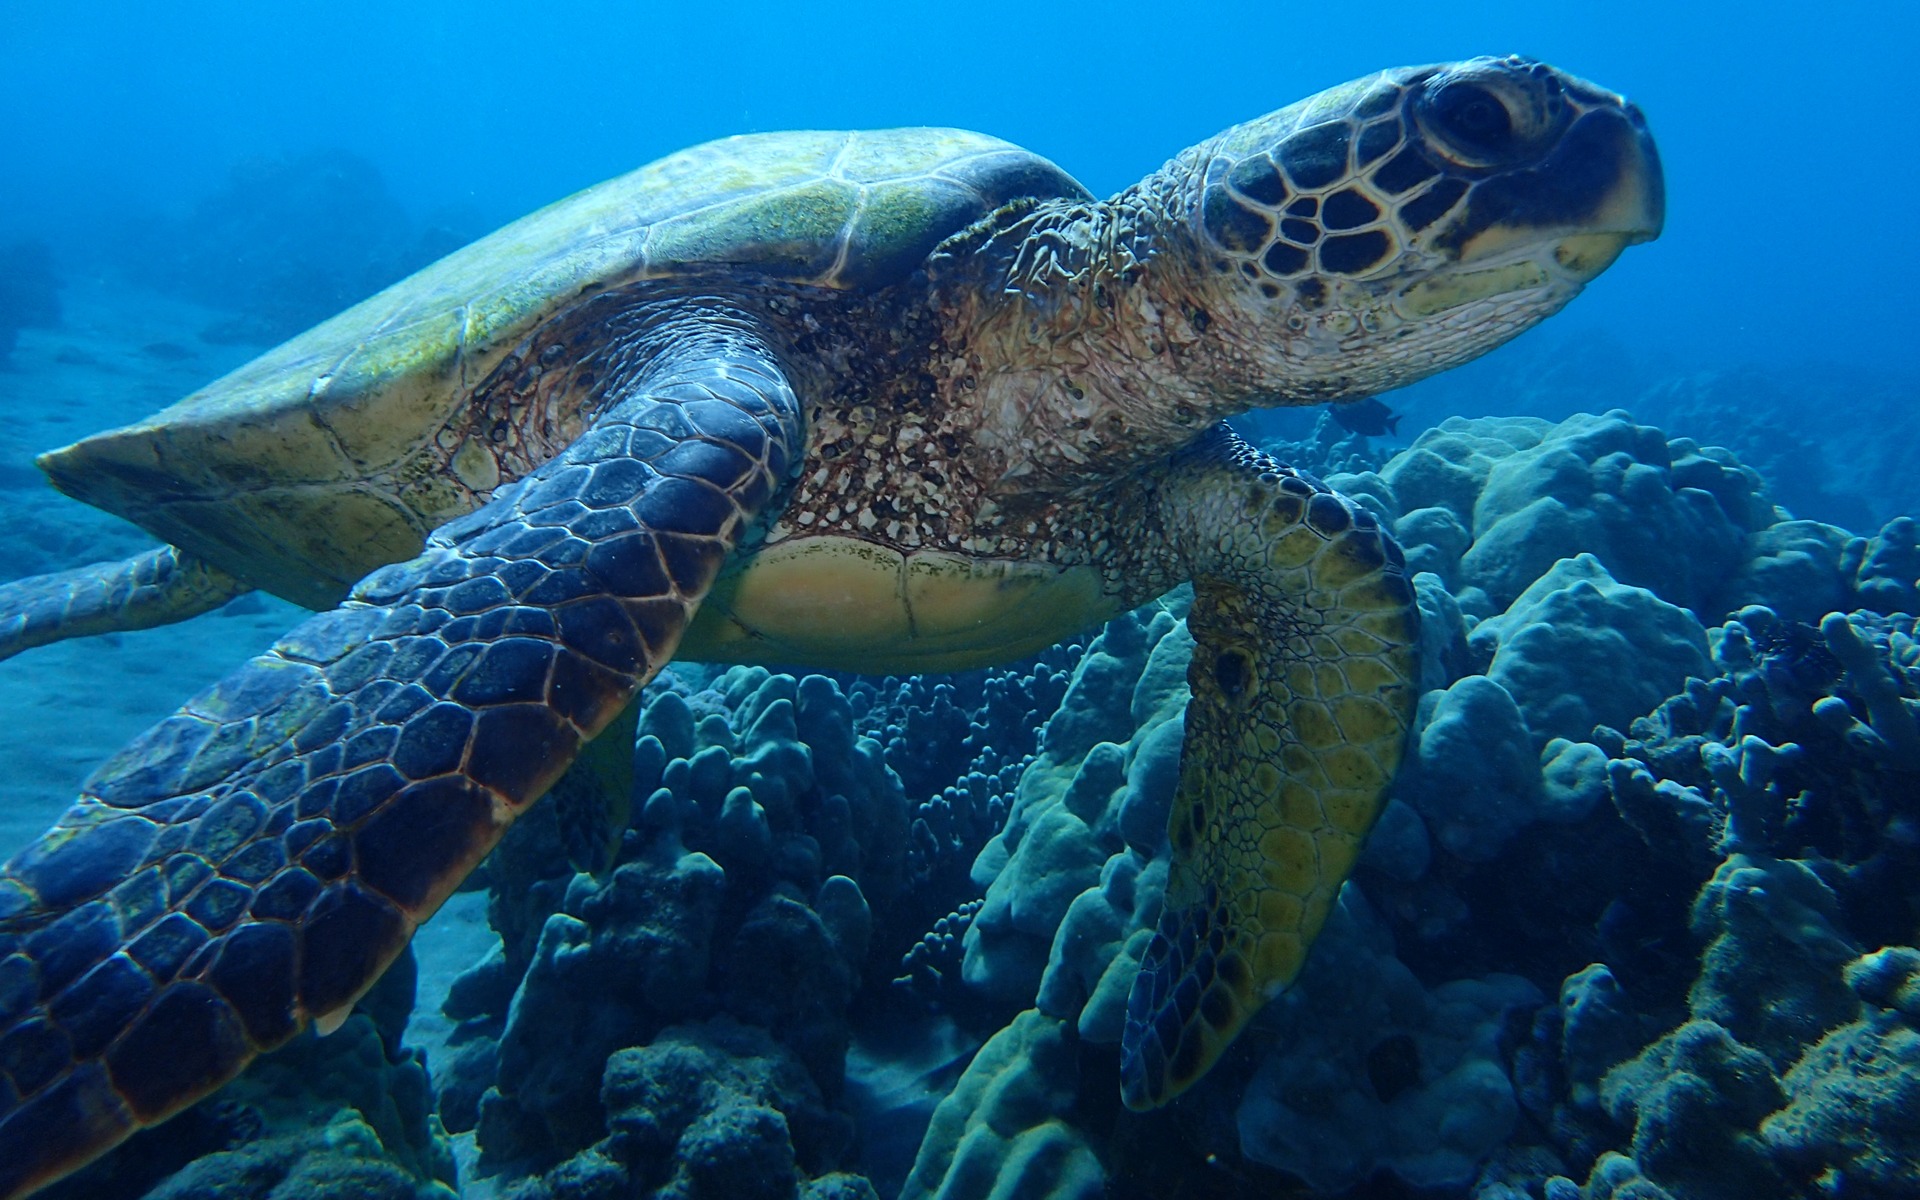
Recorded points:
932,967
1803,745
935,729
1795,769
745,885
773,872
1323,448
716,1110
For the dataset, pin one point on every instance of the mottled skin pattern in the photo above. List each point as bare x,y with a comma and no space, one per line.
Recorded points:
1303,682
862,450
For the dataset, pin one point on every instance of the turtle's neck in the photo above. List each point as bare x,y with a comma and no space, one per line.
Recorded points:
1057,259
1079,343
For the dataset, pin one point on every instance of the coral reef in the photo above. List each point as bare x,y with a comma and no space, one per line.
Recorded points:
1325,448
936,729
1692,1100
343,1161
710,1111
1001,1131
771,870
1852,1118
1105,774
1632,925
1576,580
1516,495
1578,650
1844,469
1372,1070
746,885
932,967
1793,768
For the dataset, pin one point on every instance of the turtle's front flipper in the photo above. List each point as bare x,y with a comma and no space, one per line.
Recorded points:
156,588
1303,686
255,861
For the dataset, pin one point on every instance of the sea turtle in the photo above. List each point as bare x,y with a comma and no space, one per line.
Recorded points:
892,401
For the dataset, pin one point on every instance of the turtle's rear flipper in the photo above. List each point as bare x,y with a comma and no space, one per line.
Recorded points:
254,862
156,588
1302,675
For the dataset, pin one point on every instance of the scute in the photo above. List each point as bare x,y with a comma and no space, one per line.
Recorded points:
351,405
796,236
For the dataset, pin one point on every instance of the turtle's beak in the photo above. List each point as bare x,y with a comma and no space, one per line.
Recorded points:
1552,204
1651,184
1633,212
1598,191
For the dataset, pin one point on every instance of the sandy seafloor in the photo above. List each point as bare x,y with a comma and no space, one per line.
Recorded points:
119,354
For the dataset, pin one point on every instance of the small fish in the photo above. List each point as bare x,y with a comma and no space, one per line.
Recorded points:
1368,418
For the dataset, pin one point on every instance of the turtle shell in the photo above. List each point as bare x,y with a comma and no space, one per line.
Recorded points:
305,469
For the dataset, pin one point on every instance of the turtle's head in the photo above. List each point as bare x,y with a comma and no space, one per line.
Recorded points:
1400,224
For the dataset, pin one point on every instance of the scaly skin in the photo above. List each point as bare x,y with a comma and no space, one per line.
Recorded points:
1303,681
156,588
253,863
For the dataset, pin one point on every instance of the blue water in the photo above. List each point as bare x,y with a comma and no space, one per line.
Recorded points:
146,148
1786,128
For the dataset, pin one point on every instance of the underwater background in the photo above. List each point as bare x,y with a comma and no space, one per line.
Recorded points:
1639,919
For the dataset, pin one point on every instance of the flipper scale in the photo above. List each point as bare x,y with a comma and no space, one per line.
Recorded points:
1302,692
254,862
155,588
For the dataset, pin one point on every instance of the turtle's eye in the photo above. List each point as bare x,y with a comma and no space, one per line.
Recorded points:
1471,117
1233,671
